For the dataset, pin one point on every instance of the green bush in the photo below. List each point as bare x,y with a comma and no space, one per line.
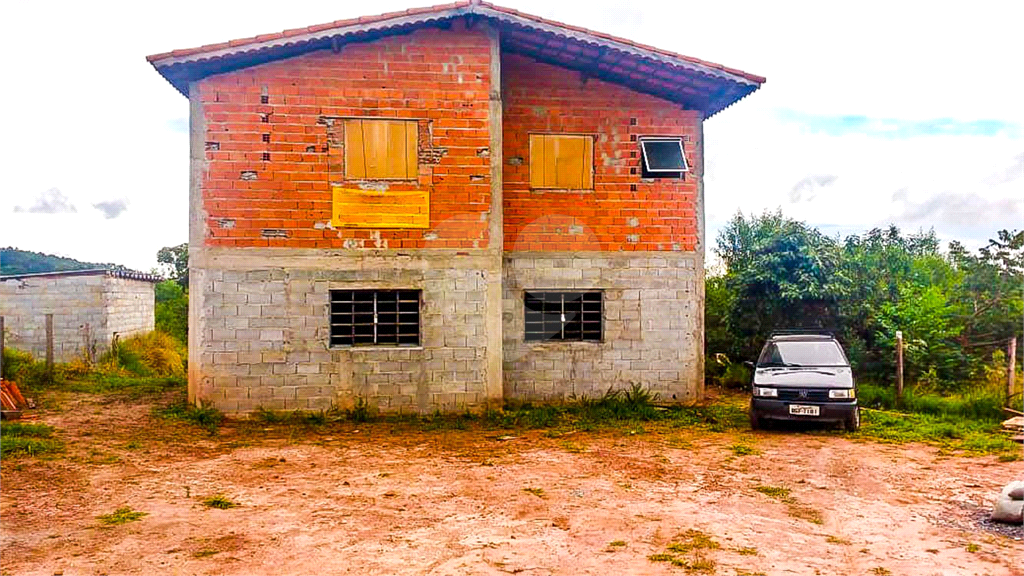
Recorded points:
29,373
172,310
152,354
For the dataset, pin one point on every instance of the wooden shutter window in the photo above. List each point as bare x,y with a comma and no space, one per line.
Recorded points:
562,161
381,149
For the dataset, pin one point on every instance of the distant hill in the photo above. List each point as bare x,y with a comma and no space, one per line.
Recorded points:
14,261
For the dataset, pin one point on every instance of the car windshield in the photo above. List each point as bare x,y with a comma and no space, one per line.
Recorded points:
802,353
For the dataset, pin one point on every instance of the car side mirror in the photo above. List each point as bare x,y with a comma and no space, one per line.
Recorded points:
749,364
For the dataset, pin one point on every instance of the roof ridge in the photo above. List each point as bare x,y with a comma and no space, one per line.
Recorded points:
473,6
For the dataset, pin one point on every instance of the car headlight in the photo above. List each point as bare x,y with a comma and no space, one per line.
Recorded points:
766,392
844,394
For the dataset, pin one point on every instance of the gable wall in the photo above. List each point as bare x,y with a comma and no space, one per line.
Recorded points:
440,78
659,215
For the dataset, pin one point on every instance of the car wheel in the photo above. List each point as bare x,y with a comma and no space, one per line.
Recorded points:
756,422
852,423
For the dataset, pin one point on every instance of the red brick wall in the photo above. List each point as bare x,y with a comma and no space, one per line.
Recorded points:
657,215
439,77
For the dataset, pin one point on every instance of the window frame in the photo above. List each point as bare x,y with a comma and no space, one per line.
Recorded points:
379,340
587,182
411,173
647,172
541,337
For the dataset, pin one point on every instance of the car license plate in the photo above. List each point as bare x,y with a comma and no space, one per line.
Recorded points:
800,410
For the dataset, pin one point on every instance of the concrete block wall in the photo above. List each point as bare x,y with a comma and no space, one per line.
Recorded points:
106,304
265,333
130,306
652,320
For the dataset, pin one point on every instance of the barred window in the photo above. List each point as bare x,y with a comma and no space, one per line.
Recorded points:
573,316
375,317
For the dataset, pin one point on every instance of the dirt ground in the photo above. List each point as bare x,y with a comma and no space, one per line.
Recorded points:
373,499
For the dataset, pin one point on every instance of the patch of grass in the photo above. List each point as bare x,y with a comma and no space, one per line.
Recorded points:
777,492
574,447
880,571
205,553
16,446
693,540
804,512
32,429
122,515
747,551
207,417
219,501
972,547
28,439
952,433
131,386
617,544
795,509
538,492
838,540
687,552
740,449
977,403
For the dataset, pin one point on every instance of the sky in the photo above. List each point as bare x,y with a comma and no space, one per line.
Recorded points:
874,113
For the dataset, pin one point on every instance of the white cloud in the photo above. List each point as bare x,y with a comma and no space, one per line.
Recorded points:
112,208
52,201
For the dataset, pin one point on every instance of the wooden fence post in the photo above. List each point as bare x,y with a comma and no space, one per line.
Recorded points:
88,347
49,344
899,365
1011,368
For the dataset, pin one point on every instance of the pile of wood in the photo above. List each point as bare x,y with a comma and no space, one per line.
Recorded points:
11,399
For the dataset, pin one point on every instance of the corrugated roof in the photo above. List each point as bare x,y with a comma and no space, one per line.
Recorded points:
690,81
126,274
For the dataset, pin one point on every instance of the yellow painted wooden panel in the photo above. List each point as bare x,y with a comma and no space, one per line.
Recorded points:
412,154
537,161
355,162
396,165
569,151
375,144
588,163
561,161
355,208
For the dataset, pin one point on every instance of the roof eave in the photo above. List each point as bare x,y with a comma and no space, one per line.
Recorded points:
181,67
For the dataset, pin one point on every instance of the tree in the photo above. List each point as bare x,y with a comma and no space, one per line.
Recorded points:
174,260
172,310
781,273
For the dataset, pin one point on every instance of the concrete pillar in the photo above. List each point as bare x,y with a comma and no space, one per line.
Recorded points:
196,241
496,232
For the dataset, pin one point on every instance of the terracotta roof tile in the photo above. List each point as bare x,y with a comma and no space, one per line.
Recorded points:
518,22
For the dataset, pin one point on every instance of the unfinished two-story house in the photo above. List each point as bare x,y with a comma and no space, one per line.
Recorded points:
445,208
